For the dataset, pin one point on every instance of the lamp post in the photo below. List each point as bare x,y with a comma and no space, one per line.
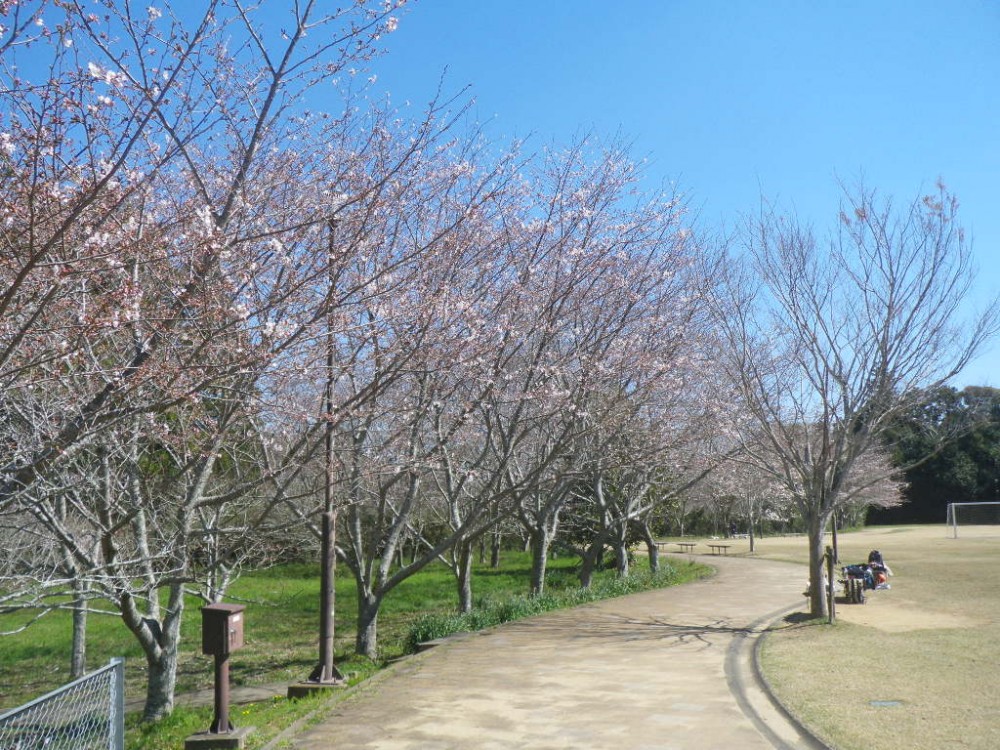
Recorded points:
325,674
326,671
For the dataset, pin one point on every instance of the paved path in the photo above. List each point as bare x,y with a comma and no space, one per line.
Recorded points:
668,669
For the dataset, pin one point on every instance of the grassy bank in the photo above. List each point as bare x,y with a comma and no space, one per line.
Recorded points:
913,668
281,636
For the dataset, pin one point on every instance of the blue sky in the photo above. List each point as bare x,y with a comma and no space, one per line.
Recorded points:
735,99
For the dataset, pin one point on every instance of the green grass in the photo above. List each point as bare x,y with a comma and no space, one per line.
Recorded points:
281,626
268,718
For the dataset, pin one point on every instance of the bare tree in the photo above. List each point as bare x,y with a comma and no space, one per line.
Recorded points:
826,342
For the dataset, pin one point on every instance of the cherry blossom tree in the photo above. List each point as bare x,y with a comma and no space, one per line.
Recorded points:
554,288
613,304
143,194
636,472
747,492
404,353
160,263
827,341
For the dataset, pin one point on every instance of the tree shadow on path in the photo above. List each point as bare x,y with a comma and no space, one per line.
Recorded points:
620,628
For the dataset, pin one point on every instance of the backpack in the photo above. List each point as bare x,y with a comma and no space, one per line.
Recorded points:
855,571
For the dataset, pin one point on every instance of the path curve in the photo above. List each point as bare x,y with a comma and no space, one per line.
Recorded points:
670,669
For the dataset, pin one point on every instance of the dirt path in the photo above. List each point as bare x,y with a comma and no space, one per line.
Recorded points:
667,669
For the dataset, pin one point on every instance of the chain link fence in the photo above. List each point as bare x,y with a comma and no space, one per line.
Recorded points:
86,714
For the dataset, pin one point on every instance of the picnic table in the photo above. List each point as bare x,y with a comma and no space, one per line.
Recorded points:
718,549
685,546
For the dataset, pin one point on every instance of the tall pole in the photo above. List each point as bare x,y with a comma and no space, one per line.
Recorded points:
326,671
830,594
836,550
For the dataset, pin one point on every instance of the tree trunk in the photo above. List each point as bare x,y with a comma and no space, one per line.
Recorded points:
587,565
591,560
160,684
593,556
78,660
464,576
366,641
539,541
159,643
621,549
652,549
817,574
495,550
621,559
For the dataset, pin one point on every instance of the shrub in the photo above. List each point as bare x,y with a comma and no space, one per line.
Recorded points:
489,613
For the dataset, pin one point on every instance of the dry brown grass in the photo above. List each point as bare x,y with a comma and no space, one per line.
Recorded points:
931,643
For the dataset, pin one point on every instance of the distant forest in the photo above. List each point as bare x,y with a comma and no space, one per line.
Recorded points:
966,469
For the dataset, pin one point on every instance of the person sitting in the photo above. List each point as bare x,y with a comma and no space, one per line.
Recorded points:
880,572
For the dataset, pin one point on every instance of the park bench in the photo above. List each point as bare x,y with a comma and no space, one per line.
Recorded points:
854,590
685,546
853,582
718,549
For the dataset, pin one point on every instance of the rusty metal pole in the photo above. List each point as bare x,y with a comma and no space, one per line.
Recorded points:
221,723
326,671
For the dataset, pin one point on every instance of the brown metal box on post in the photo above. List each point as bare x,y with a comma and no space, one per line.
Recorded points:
221,628
221,634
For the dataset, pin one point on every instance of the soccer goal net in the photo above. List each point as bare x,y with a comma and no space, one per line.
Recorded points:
972,514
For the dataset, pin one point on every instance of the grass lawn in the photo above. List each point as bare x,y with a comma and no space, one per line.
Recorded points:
915,667
281,638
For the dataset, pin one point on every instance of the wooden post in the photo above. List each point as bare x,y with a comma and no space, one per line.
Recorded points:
830,588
